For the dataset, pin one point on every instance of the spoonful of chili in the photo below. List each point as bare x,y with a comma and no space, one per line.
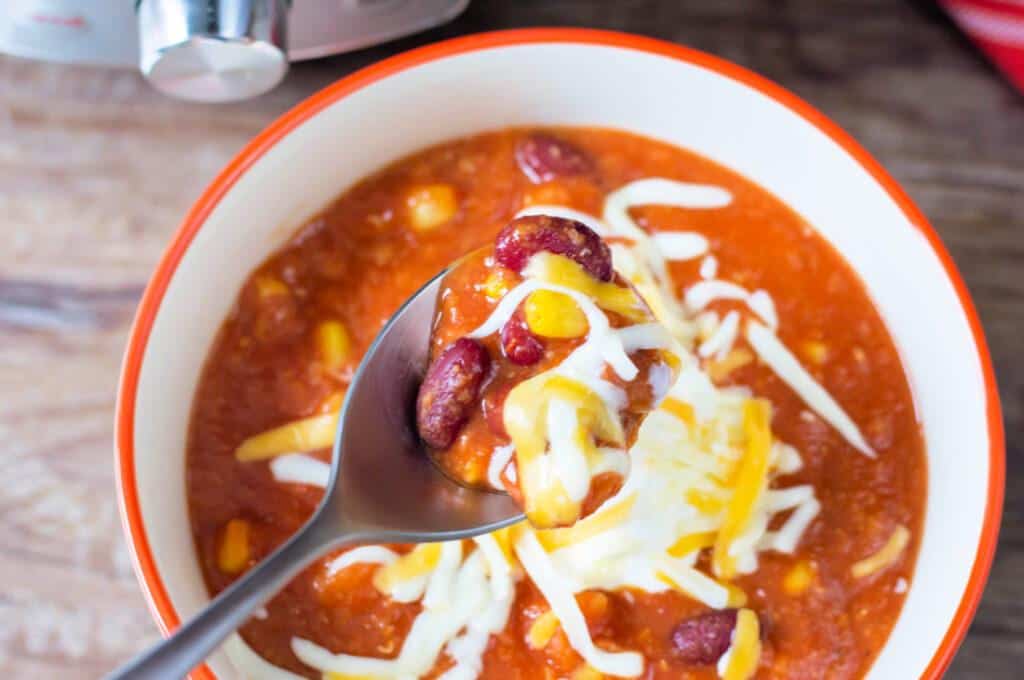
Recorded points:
382,488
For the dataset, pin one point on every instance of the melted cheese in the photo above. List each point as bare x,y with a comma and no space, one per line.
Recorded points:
500,458
741,659
700,474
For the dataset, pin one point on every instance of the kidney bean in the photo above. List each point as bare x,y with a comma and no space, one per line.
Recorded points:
543,157
449,391
521,238
703,639
519,343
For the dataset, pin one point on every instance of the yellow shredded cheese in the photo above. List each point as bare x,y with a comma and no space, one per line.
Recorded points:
417,562
599,522
680,409
745,651
704,501
887,556
691,543
720,369
750,480
299,436
737,598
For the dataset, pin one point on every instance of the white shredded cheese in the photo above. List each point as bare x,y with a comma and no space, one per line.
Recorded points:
701,294
721,341
709,267
679,246
500,458
762,304
299,468
468,594
772,352
364,554
560,598
252,665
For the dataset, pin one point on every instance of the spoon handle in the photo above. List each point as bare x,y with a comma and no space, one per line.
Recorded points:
194,641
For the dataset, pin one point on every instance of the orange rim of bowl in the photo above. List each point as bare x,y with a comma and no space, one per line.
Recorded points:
156,593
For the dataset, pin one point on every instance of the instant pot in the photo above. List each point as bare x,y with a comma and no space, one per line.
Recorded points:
209,50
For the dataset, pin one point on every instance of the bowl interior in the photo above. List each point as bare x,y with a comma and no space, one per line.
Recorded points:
573,83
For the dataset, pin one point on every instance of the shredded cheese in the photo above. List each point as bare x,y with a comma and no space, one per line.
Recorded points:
300,436
751,481
771,351
741,659
298,468
886,557
700,476
364,554
560,597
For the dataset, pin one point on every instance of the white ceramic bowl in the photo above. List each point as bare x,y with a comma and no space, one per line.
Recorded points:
574,77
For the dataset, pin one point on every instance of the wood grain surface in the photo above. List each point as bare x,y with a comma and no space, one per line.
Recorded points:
96,170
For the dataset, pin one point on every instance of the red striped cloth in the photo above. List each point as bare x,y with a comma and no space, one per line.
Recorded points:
997,26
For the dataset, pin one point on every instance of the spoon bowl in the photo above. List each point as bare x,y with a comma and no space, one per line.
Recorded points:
383,488
383,481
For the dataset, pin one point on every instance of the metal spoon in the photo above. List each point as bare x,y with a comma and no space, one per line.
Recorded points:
382,489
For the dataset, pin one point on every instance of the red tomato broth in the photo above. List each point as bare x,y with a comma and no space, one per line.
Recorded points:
361,258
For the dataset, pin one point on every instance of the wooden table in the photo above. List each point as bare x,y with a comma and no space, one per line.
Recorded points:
96,170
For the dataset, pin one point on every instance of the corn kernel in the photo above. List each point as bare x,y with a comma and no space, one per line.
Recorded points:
554,315
799,578
737,598
333,343
495,286
431,205
542,630
268,286
233,555
816,351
